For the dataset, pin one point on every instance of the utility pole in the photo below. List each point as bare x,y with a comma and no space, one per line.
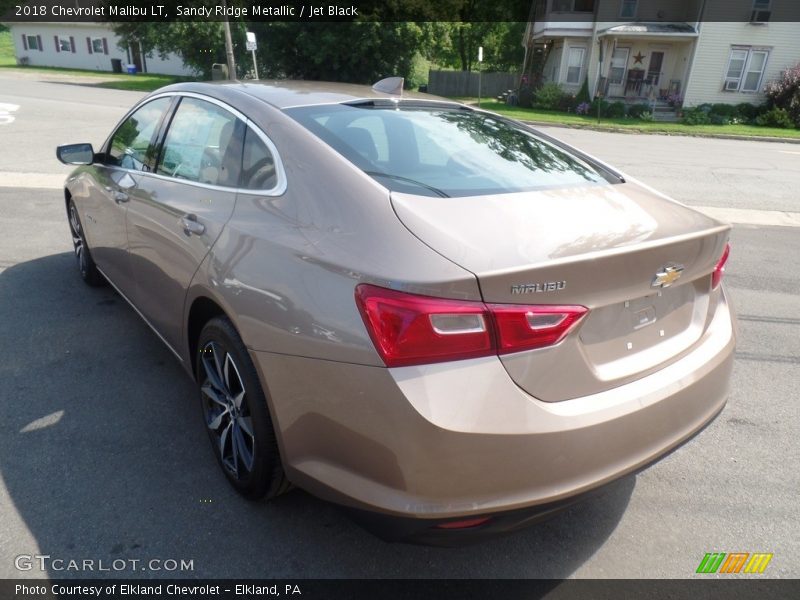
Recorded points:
228,43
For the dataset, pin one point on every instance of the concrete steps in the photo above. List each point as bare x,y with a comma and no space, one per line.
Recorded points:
664,113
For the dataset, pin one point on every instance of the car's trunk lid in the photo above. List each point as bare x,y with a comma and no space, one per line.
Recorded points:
599,246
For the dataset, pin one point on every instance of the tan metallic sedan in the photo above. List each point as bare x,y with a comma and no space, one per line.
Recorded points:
439,318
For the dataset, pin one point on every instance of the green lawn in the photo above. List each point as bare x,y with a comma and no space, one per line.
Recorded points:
555,117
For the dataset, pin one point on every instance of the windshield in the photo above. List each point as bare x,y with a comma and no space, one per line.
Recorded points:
449,151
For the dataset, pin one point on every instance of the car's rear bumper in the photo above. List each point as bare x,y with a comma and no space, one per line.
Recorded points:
438,442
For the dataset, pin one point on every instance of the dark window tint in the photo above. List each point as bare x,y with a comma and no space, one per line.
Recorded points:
203,144
444,151
132,143
258,164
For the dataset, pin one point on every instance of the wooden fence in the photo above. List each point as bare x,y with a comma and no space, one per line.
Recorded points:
463,83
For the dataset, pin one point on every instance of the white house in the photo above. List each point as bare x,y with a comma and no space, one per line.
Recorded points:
90,46
701,50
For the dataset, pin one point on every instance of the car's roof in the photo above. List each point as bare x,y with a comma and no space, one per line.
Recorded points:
290,93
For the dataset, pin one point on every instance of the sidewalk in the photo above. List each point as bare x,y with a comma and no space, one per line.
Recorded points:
613,129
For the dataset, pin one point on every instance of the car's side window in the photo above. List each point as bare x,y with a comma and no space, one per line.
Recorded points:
203,144
132,145
258,164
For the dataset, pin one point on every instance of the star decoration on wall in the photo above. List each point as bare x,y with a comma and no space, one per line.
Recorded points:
638,58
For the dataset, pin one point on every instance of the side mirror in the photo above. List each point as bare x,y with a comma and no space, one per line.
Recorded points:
75,154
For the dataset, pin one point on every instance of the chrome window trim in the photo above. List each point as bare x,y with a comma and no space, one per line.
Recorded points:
277,190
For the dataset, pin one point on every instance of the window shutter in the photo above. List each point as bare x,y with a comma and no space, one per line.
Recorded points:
89,44
72,44
55,39
24,42
105,46
39,40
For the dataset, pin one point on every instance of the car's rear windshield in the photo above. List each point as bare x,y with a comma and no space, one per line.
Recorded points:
444,150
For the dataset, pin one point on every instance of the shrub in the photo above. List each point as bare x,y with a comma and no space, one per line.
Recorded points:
548,96
636,110
784,93
616,110
717,119
723,110
583,108
613,110
675,100
748,112
776,117
525,97
583,94
696,116
567,103
603,107
646,116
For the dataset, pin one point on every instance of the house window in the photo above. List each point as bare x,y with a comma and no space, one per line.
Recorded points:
573,5
761,11
619,62
574,65
745,70
64,44
97,45
33,42
628,9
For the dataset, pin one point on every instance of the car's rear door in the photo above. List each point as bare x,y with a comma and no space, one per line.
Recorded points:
177,212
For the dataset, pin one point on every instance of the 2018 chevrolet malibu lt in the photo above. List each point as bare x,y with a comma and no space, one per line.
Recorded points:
435,316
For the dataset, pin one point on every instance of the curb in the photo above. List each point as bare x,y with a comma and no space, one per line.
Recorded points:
612,129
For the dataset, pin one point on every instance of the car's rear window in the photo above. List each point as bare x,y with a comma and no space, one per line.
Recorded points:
445,151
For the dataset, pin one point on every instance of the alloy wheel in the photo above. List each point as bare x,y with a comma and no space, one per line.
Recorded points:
77,238
226,410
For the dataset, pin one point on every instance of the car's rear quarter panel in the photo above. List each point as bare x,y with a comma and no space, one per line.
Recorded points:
287,266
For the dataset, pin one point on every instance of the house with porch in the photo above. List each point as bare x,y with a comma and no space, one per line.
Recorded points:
652,50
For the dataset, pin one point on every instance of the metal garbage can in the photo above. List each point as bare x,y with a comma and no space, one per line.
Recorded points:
219,71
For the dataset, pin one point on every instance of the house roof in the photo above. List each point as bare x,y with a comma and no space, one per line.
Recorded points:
656,29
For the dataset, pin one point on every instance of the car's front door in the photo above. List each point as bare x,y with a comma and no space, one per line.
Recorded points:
178,211
130,153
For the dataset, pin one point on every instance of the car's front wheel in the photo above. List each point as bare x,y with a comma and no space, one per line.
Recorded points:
88,270
236,414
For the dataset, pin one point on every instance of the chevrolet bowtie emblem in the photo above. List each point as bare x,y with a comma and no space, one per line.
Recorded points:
667,276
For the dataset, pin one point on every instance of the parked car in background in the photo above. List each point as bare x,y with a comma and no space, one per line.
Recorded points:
437,317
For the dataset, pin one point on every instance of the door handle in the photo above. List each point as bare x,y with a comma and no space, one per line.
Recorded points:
120,197
191,226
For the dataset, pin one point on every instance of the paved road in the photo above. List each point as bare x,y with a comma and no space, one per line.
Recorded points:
103,456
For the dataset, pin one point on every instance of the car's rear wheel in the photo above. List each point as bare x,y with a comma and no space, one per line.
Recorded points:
88,270
236,414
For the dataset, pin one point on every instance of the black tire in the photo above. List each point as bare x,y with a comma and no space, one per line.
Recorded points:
242,435
86,267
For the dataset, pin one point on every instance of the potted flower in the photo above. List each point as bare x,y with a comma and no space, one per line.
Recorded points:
675,100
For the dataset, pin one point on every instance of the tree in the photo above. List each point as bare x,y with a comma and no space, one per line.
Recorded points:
358,52
198,43
784,93
456,44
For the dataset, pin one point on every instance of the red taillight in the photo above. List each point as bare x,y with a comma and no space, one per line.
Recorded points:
410,330
529,327
719,270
